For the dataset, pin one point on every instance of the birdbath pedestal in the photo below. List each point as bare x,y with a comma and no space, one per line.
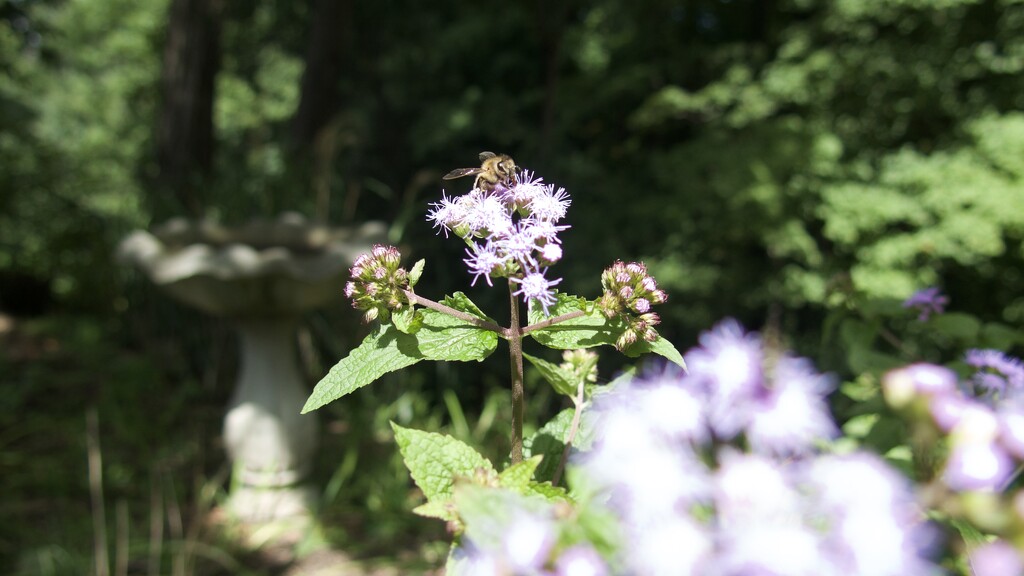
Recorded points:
261,277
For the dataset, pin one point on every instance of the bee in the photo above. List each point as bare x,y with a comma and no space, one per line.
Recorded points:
494,169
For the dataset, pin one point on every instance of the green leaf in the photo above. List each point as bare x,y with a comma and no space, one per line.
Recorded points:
436,509
460,301
592,329
416,272
518,476
488,512
564,304
436,460
958,325
549,442
381,352
440,337
664,348
548,492
971,535
408,321
563,381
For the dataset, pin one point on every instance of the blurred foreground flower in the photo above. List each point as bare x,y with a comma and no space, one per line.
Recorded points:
715,472
983,420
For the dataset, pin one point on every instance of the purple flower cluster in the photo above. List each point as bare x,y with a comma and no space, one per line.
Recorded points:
629,293
997,374
927,301
527,544
512,232
714,472
985,429
378,283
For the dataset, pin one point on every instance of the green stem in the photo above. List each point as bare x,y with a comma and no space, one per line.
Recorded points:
573,428
515,353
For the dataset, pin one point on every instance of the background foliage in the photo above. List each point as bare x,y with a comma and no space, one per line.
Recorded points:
802,165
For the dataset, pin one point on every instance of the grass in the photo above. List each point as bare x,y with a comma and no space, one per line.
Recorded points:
74,395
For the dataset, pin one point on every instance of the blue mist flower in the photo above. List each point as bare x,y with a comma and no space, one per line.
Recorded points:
511,231
998,374
927,301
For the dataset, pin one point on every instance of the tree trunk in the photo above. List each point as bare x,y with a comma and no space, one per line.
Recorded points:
329,37
191,60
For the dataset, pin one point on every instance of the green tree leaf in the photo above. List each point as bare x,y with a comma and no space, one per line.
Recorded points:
563,381
435,461
440,337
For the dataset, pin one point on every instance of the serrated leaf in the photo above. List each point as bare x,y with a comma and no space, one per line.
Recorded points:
549,492
564,304
408,321
518,476
592,329
436,460
460,301
549,442
440,337
563,381
435,509
488,512
416,271
379,353
666,350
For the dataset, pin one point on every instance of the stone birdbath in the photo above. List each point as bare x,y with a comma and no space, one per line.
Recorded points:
261,277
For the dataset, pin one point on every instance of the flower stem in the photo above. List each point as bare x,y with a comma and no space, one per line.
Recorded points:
573,428
515,353
553,320
476,321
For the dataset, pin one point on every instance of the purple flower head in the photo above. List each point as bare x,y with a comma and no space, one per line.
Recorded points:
519,245
996,559
1011,429
977,466
927,301
512,230
691,502
484,261
727,366
489,217
876,526
534,286
789,417
902,385
550,254
999,375
525,190
528,541
580,560
550,205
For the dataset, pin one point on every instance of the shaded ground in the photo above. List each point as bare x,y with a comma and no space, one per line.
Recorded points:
156,432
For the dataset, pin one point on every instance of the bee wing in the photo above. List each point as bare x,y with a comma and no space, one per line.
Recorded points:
487,156
460,172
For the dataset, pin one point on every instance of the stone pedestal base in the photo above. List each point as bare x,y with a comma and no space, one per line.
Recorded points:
270,443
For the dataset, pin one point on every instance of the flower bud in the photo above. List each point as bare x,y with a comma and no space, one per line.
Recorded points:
378,283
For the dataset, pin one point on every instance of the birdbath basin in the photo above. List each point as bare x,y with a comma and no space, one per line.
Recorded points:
261,277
